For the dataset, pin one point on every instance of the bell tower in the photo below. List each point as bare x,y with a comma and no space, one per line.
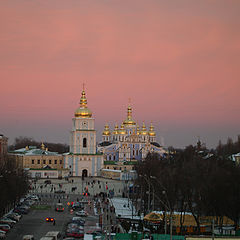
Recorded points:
83,134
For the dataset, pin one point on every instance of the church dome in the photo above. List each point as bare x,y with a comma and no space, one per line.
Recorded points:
144,129
122,130
115,132
129,121
151,131
83,111
106,131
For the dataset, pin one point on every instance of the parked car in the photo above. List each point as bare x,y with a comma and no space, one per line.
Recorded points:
7,221
78,219
75,226
75,233
33,197
5,227
2,234
12,216
21,210
81,213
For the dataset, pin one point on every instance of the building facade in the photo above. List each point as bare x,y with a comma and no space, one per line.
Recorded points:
31,157
124,146
83,158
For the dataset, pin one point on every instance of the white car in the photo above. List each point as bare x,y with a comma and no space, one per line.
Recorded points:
2,234
81,213
33,197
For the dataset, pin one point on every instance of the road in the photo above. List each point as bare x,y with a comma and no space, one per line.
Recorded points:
34,222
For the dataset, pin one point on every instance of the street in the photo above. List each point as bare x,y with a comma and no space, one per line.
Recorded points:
34,222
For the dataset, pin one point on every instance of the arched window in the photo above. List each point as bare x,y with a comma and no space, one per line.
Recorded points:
84,142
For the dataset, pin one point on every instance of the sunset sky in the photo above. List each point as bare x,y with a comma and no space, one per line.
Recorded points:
178,61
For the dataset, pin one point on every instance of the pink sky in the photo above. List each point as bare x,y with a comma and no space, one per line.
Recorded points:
178,61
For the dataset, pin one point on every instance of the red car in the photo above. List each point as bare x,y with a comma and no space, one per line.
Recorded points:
5,227
75,233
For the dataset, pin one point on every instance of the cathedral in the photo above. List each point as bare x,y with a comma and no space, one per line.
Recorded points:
83,158
128,143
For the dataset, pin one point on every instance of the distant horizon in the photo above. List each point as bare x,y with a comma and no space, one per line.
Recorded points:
178,61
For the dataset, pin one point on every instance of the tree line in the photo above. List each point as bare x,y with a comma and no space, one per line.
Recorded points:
13,183
197,180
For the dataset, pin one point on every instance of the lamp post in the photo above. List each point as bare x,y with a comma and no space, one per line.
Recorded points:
149,191
167,206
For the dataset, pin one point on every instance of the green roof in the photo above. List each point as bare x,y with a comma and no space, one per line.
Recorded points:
130,163
109,163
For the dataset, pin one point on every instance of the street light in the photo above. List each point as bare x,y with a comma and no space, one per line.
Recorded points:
149,189
168,206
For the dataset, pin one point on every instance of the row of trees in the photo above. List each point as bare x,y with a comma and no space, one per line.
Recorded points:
13,183
22,142
205,183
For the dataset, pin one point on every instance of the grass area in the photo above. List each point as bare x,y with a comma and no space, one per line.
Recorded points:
40,207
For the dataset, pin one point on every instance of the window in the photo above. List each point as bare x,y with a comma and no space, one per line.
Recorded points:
38,161
32,161
110,157
55,161
50,161
84,142
60,161
44,161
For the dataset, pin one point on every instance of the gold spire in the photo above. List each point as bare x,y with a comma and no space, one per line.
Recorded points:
144,129
106,130
42,146
115,130
83,111
122,130
129,120
151,131
138,130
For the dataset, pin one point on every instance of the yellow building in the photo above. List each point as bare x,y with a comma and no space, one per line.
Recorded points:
33,158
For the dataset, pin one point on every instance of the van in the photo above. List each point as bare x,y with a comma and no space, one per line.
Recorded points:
28,237
54,234
59,207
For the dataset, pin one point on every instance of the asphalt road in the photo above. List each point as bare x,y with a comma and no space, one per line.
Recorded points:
34,222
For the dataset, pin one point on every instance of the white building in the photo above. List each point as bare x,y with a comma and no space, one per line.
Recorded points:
83,158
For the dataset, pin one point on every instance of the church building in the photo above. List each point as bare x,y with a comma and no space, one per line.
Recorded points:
124,146
83,158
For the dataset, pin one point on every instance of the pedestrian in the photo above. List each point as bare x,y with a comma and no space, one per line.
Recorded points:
54,222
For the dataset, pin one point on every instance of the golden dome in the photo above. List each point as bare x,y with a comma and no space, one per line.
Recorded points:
151,131
115,130
122,130
83,111
106,130
129,120
144,129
